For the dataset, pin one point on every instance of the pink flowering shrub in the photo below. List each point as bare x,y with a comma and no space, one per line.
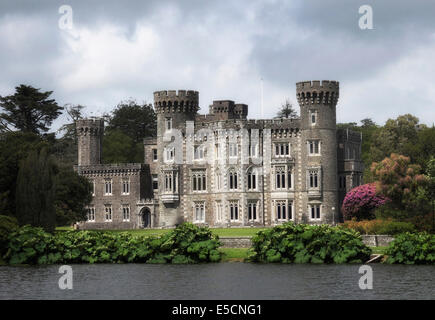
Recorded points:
360,202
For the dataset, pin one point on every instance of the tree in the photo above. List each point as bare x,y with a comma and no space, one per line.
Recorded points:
361,202
118,147
65,148
430,173
401,181
396,136
28,110
35,193
73,194
129,123
287,110
14,147
134,120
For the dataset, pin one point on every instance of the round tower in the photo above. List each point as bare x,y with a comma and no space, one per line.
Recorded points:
178,107
173,110
317,101
90,140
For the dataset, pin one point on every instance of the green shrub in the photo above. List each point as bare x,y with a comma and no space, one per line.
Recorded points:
7,226
185,244
290,243
412,248
379,226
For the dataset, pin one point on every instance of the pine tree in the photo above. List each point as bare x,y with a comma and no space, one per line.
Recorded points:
28,110
287,110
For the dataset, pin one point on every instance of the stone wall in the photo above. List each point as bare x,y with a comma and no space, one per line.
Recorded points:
235,242
245,242
377,240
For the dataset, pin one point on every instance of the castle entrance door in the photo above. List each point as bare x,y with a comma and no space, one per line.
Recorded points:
146,218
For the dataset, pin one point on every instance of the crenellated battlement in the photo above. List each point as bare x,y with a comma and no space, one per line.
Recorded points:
316,92
170,101
91,126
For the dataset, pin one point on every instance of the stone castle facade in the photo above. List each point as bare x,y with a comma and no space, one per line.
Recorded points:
221,169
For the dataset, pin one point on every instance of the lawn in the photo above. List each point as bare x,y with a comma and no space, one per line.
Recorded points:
234,254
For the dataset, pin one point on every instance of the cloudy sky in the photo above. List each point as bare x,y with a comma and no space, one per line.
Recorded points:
128,49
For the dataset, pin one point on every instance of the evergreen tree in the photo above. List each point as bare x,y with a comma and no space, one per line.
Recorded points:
28,110
287,110
35,193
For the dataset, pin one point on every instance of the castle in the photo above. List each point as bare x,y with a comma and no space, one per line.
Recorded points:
222,170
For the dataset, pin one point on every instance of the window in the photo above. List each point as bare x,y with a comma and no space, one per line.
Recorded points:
199,211
234,210
108,213
125,186
219,211
171,181
313,117
93,187
283,177
125,213
252,210
155,182
168,124
199,152
342,182
314,147
283,210
315,212
108,187
282,149
233,150
218,181
91,214
154,154
313,178
199,180
232,180
217,151
169,153
252,179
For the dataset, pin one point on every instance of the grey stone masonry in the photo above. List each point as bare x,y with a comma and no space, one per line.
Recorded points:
222,169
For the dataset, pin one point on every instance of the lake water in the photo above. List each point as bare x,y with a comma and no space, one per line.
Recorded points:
218,281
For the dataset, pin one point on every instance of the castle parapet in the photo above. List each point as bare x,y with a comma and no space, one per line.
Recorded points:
316,92
171,101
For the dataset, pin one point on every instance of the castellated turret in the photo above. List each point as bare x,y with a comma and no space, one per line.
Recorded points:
317,101
174,108
90,140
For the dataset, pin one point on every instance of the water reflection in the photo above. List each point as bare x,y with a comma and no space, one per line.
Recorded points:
218,281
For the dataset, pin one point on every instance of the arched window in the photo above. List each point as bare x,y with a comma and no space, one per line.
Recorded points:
252,179
232,179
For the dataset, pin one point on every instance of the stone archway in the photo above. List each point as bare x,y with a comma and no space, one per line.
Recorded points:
145,218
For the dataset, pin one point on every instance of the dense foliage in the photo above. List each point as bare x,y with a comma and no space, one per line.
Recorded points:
290,243
185,244
28,110
128,124
73,194
360,202
379,226
412,248
36,189
7,226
